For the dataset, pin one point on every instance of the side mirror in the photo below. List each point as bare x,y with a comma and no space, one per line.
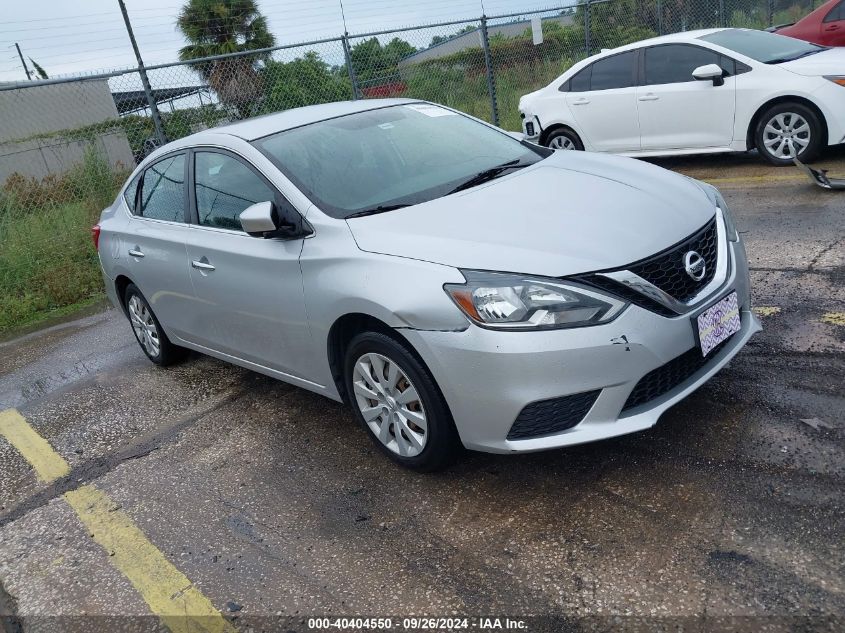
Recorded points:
710,72
266,220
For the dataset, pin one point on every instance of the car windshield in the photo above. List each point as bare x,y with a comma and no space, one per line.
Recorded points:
395,156
768,48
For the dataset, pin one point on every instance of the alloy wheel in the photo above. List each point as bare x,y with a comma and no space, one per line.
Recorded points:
786,135
144,326
390,404
562,142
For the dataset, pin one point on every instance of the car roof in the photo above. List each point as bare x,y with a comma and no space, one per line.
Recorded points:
685,36
256,127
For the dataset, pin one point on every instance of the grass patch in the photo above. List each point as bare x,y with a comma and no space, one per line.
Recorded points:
48,265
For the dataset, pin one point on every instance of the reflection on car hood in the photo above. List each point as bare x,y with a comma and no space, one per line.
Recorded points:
571,213
829,62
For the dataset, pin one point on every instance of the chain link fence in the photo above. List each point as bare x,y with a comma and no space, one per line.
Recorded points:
67,144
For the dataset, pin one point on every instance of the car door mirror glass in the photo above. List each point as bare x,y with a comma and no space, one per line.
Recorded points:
709,72
259,219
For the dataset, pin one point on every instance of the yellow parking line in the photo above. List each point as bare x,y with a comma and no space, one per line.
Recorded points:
765,311
48,464
753,180
167,591
834,318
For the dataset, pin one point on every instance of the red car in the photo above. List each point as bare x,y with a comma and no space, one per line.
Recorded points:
825,25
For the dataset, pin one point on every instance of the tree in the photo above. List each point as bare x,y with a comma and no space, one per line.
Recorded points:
439,39
219,27
42,74
372,61
306,80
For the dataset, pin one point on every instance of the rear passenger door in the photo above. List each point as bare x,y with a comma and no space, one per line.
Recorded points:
249,298
154,245
603,99
675,110
833,27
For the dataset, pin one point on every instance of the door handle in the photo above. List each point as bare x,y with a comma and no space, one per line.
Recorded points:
135,252
832,27
649,97
202,265
581,101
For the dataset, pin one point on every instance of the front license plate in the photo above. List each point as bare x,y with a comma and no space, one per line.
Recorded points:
717,323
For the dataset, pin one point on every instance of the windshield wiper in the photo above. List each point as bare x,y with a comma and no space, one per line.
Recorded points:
783,60
382,208
489,174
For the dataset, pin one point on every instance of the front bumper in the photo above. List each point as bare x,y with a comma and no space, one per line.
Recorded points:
489,376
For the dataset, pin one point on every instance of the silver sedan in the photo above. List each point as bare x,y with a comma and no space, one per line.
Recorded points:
452,284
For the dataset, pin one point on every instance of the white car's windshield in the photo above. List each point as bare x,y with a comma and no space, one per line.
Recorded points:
383,159
768,48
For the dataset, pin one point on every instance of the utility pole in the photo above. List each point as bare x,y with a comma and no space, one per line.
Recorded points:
23,61
148,91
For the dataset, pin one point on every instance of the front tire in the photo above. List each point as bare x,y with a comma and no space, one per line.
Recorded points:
396,400
148,331
564,139
786,131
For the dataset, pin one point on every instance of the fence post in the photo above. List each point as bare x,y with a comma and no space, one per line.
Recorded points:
659,17
587,44
347,55
491,78
770,5
145,81
722,13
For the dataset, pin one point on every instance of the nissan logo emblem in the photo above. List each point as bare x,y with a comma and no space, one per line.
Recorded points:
694,265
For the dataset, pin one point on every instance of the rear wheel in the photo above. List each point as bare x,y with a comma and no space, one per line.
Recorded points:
148,332
398,403
564,139
786,131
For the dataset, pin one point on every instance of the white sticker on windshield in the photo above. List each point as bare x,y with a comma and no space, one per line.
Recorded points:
430,110
386,126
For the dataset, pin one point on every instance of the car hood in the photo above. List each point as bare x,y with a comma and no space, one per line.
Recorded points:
829,62
573,212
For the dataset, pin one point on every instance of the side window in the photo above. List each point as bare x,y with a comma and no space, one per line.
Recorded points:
581,81
836,13
613,72
674,63
224,187
163,190
129,193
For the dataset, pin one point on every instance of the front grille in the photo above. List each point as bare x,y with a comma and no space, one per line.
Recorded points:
547,417
666,377
666,270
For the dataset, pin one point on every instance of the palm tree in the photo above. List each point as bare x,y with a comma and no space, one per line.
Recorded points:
218,27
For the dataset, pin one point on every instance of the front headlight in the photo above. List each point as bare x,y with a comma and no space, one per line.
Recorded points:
837,79
521,302
717,200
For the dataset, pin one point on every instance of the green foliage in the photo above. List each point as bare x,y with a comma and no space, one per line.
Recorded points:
306,80
439,39
218,27
371,60
47,260
42,74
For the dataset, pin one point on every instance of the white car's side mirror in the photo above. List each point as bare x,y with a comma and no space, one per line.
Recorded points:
710,72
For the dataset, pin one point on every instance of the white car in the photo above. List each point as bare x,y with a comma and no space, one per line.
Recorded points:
707,91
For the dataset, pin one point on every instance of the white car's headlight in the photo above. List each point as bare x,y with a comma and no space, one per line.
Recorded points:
522,302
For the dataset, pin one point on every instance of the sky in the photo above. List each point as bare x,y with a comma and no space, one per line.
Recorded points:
86,36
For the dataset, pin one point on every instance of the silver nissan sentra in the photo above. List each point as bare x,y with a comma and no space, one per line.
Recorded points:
453,284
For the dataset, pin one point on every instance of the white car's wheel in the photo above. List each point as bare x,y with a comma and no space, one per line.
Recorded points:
564,139
787,131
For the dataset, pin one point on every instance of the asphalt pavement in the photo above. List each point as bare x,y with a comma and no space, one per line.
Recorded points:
255,505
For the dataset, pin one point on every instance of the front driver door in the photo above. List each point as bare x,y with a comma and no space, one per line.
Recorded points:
679,112
603,100
249,298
